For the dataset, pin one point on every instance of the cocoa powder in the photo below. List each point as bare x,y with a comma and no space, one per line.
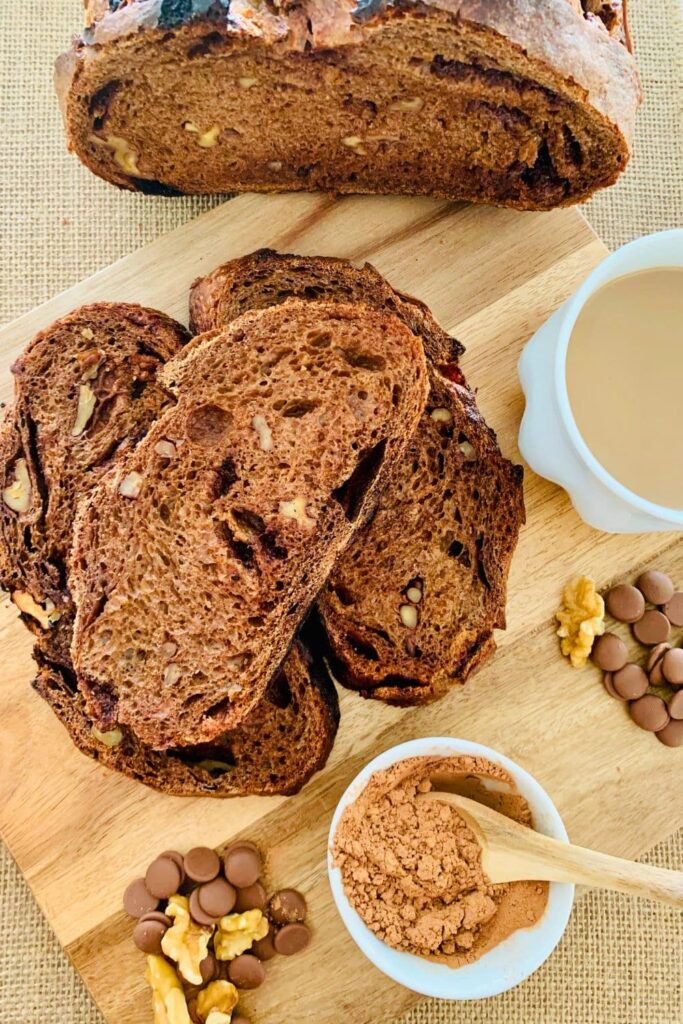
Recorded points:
413,870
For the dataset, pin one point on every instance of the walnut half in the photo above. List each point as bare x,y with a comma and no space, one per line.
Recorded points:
18,495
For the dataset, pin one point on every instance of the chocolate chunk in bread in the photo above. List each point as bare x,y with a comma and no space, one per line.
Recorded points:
286,738
527,103
412,604
199,555
84,388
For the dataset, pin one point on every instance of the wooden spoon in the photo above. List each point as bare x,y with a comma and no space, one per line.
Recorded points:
512,853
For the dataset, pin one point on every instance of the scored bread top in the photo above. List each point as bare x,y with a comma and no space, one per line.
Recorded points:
581,40
84,387
197,558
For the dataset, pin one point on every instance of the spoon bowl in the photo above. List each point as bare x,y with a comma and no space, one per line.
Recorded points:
512,853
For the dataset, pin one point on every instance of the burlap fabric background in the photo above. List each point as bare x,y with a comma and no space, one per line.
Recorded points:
621,961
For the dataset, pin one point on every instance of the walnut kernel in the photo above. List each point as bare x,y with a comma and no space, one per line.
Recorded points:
87,400
18,495
168,997
264,432
112,738
219,997
409,616
130,485
47,616
237,932
185,941
582,618
296,509
355,143
124,154
442,415
408,105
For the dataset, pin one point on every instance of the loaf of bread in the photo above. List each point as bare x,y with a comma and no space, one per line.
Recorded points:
522,103
412,604
84,388
285,739
198,556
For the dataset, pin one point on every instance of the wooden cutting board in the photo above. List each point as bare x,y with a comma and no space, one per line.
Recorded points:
80,834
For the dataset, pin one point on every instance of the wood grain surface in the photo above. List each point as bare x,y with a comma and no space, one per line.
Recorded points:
80,834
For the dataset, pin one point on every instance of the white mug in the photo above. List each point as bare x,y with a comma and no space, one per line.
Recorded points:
549,438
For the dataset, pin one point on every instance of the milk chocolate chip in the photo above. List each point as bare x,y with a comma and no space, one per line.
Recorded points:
287,907
654,663
156,915
656,587
625,603
202,864
630,682
147,936
209,968
607,679
264,948
673,609
672,734
609,652
179,860
198,914
216,898
137,900
676,706
163,878
672,666
292,938
246,971
653,628
252,897
242,866
650,713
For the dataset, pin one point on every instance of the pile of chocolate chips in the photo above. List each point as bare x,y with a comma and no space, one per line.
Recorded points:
659,712
216,887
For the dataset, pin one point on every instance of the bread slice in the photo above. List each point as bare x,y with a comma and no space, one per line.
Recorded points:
84,388
285,739
197,558
523,103
407,618
267,278
448,523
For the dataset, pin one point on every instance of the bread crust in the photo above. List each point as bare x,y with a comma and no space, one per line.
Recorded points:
286,740
548,41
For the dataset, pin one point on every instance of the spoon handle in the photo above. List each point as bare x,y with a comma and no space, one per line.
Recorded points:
542,858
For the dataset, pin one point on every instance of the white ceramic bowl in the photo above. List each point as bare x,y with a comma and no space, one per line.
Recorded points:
549,438
508,963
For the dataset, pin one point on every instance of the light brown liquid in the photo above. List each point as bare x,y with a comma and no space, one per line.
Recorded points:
625,381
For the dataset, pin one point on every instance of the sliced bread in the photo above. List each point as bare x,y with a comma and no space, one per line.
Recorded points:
523,103
447,525
411,607
197,558
84,388
286,738
267,278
